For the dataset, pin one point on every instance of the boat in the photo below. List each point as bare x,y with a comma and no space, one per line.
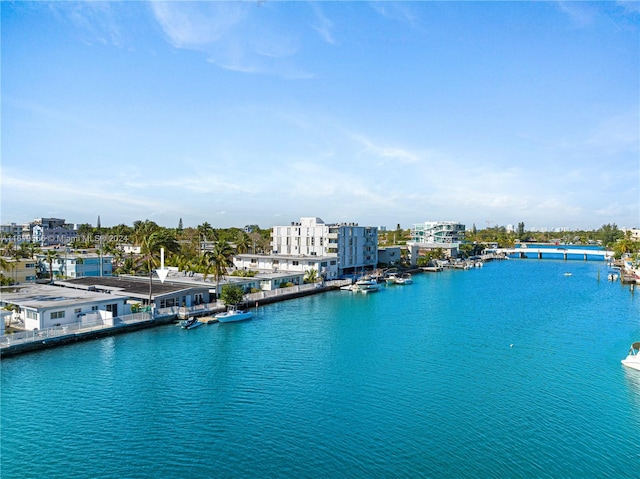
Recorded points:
612,276
633,357
349,287
367,285
190,323
233,313
391,278
404,279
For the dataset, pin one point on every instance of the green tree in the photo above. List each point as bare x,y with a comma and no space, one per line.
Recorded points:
49,256
232,294
242,242
206,231
609,234
218,260
311,276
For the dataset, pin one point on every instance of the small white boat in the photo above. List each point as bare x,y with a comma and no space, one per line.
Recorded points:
367,285
633,357
391,278
404,279
350,287
613,276
233,314
190,323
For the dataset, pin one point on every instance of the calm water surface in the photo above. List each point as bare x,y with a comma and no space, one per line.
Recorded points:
511,370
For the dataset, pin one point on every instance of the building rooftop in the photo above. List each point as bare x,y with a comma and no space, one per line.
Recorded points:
40,296
136,286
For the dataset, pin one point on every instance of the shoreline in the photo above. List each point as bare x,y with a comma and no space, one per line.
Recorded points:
72,338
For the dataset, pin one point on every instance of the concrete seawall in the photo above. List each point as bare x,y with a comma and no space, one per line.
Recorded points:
72,338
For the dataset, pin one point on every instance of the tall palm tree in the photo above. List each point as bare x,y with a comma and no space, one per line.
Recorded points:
242,242
142,230
49,256
151,244
206,231
219,259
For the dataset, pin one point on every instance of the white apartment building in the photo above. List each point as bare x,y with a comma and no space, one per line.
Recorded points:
446,235
332,249
325,266
438,232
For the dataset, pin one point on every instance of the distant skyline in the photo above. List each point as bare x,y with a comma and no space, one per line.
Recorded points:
380,113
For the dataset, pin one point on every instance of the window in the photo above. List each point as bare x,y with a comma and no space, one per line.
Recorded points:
295,263
57,314
32,314
77,310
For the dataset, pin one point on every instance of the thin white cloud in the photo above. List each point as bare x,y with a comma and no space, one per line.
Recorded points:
98,21
387,153
397,11
580,13
197,24
236,36
323,25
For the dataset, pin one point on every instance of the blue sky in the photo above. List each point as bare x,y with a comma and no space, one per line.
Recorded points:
487,113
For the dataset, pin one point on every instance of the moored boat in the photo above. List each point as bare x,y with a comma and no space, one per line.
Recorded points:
367,285
404,279
633,357
190,323
233,314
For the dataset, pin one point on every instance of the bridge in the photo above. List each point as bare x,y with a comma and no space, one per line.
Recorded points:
565,252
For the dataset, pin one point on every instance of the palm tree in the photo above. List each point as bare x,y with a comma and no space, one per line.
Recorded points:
311,276
206,231
219,259
4,266
242,242
142,230
49,256
151,244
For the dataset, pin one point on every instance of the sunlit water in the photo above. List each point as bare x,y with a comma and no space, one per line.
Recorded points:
507,371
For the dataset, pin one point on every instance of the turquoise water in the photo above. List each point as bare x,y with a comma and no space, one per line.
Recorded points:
511,370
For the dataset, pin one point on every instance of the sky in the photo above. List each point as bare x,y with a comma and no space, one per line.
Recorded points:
378,113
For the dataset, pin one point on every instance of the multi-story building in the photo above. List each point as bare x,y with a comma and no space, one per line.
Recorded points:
332,249
438,232
20,270
446,235
51,231
77,265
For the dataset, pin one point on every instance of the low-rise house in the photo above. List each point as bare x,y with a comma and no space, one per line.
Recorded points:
138,290
42,306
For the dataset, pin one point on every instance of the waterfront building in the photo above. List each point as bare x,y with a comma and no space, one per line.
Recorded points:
139,289
326,267
38,306
354,247
389,256
264,281
431,235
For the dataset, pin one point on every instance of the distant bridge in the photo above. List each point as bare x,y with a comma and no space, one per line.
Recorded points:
565,252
